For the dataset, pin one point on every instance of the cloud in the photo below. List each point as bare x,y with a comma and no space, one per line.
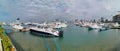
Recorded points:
60,8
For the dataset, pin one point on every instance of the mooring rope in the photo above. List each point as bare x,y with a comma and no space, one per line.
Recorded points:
56,43
46,44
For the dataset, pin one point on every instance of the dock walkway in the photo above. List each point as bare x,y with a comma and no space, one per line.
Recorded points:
1,48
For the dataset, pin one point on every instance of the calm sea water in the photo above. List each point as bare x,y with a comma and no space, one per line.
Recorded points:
75,39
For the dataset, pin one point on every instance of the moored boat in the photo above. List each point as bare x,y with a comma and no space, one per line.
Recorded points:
46,31
17,26
94,26
57,25
98,27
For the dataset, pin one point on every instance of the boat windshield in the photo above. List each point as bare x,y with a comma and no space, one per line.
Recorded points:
39,26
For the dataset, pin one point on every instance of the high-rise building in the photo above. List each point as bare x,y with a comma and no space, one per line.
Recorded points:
116,18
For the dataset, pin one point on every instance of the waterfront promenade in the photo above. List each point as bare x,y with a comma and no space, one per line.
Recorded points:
1,48
5,42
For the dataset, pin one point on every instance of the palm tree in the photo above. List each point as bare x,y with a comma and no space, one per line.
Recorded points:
1,24
18,18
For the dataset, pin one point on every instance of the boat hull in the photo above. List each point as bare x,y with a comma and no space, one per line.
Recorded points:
44,33
99,29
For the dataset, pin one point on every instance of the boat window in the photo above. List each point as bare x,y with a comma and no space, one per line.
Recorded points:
39,26
45,27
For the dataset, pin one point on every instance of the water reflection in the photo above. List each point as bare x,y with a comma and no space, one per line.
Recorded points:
16,44
117,48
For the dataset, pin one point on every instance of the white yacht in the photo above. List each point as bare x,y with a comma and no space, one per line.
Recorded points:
99,27
116,25
64,25
94,26
17,26
46,31
84,24
57,25
27,23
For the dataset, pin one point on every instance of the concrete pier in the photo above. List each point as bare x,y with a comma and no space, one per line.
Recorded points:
1,48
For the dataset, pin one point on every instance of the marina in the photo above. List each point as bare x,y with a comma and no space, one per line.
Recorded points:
56,36
82,39
59,25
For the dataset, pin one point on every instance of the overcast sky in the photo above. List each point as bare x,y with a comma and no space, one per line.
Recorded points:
69,9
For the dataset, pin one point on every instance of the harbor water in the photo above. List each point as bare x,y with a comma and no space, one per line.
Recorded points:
75,38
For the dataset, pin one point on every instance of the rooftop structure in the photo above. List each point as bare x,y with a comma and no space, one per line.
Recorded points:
116,18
